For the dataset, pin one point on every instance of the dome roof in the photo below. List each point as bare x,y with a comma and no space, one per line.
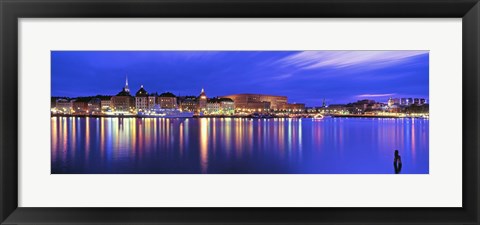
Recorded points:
167,94
123,93
141,92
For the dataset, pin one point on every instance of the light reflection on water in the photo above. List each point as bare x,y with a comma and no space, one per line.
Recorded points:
235,145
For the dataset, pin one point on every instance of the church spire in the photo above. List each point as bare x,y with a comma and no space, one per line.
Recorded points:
126,84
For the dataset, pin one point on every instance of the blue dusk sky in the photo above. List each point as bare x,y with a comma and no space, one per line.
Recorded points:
303,76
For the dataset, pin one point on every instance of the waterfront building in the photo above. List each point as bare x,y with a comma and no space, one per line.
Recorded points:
188,103
202,102
141,100
254,107
123,101
80,106
416,101
63,106
213,108
396,101
390,102
167,100
106,104
95,106
394,109
256,102
419,101
220,106
227,106
152,101
366,103
294,107
377,106
336,109
409,101
423,101
313,109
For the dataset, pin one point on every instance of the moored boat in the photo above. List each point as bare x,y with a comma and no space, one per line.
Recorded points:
166,113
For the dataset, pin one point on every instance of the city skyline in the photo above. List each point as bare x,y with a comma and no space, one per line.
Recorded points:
156,93
304,77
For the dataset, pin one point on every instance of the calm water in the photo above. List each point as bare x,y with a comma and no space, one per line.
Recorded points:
260,146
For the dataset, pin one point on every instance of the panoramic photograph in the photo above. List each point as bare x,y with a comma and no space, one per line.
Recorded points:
240,112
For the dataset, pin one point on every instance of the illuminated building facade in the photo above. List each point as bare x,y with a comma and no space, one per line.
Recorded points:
294,107
213,108
152,99
416,101
95,106
258,102
167,100
412,101
390,102
63,105
80,106
106,103
123,101
202,102
188,103
396,101
141,99
220,106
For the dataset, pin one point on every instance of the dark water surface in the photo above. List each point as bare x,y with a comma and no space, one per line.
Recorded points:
234,145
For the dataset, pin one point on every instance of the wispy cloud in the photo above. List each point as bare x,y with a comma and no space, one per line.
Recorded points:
374,95
339,59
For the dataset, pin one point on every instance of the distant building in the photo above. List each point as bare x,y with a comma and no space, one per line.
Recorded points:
423,101
376,106
416,101
80,106
336,109
123,101
258,102
220,106
64,106
202,102
167,100
366,103
294,107
152,101
213,108
390,102
95,106
409,101
141,100
227,106
188,103
412,101
106,104
396,101
255,107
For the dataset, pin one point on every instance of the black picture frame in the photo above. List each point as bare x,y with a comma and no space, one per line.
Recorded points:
12,10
